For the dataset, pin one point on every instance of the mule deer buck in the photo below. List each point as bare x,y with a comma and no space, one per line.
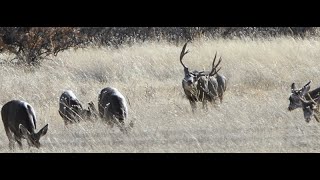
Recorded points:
202,86
298,94
19,120
112,107
71,110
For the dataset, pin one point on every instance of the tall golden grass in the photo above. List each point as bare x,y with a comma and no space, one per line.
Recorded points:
252,118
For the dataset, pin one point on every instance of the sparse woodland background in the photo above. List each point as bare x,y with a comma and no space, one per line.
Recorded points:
30,45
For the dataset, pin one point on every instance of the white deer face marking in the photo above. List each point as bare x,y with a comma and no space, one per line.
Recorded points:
190,81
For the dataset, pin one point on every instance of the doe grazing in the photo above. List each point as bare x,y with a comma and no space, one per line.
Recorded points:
19,120
71,110
112,106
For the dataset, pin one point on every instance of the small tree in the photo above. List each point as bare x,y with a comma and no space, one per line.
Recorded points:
31,45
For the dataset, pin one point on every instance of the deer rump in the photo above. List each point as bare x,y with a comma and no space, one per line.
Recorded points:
19,122
112,105
17,112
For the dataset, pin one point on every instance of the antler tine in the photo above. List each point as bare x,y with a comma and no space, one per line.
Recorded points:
308,83
303,100
214,59
183,52
215,72
214,67
220,59
311,99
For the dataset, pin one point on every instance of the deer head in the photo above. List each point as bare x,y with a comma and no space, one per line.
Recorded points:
296,95
33,138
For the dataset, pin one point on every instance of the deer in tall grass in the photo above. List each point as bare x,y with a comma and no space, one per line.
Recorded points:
112,107
19,120
202,86
71,110
298,94
305,99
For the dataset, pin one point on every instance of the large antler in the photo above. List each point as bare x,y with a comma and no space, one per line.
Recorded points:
214,67
183,52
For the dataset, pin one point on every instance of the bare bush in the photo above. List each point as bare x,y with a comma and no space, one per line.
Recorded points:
30,45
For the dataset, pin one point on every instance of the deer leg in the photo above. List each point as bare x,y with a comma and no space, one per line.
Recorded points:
10,137
315,116
11,144
221,98
121,122
205,105
108,117
131,124
19,142
205,96
65,118
109,120
193,106
111,124
221,94
121,125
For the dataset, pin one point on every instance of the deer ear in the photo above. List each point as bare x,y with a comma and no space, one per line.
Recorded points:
23,131
293,87
307,88
308,83
304,90
43,131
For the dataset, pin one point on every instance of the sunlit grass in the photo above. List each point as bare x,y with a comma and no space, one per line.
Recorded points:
252,118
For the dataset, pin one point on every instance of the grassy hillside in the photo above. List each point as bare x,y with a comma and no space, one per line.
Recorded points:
252,118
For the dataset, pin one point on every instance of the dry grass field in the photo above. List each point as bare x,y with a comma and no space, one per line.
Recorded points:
252,118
